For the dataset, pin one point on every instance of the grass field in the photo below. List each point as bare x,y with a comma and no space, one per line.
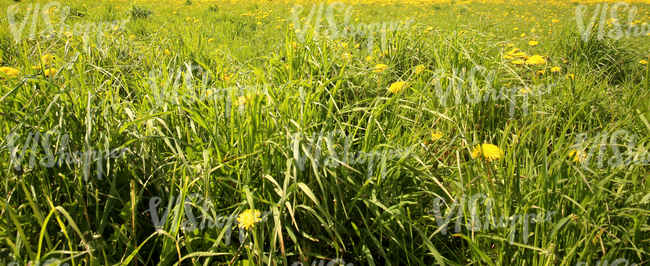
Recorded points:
424,132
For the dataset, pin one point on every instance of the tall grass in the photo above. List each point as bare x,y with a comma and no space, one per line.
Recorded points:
242,156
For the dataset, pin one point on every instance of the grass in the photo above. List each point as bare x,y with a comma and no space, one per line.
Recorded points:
240,150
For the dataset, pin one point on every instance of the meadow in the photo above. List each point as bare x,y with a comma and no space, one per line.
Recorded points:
359,132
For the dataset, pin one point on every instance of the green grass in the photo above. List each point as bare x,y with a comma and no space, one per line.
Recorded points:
242,157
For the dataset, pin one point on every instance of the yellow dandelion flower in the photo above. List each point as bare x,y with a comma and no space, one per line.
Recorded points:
419,69
50,72
489,152
644,62
210,40
541,72
571,76
248,218
518,62
523,35
10,71
577,156
436,135
380,68
369,58
346,56
556,69
536,60
533,43
396,87
167,52
508,57
521,55
47,59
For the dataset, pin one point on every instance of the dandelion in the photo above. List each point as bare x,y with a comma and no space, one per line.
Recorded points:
210,40
436,135
346,56
555,69
508,57
577,156
489,152
10,71
47,59
369,58
518,62
541,72
419,69
571,76
523,35
380,68
396,87
521,55
533,43
49,72
167,52
644,62
536,60
516,53
248,218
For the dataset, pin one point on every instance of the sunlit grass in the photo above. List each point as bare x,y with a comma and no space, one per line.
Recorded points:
247,86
